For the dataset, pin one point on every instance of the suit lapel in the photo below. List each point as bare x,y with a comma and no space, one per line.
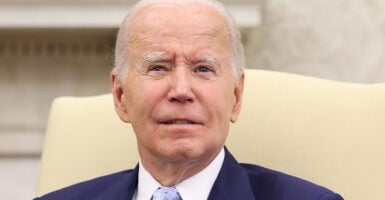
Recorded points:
232,182
122,190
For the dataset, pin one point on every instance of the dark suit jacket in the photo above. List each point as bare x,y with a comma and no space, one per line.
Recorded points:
234,182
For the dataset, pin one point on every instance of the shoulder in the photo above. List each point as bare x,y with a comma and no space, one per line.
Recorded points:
92,188
277,185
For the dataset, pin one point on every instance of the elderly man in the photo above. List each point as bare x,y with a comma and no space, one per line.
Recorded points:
178,80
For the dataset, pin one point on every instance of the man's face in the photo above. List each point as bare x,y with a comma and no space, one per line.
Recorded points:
179,94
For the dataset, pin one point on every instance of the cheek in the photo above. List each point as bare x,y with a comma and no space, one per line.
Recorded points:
144,99
219,102
135,102
225,99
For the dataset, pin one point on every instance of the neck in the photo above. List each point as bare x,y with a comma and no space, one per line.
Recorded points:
169,173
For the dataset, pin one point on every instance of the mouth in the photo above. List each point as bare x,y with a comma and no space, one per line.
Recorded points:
180,122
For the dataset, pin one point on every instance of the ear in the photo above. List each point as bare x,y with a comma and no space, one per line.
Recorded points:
119,97
238,92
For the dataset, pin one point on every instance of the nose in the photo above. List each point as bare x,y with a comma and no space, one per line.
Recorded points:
181,86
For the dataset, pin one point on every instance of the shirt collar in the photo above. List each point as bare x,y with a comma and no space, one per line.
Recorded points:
195,187
199,185
146,185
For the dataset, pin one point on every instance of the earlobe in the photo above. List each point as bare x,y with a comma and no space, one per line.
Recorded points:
119,98
238,92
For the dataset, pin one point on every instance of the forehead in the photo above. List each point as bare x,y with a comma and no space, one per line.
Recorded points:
179,22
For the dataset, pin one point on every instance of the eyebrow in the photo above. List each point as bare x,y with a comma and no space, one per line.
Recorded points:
209,59
151,57
154,58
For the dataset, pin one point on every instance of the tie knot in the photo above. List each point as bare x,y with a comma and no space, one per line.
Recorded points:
166,193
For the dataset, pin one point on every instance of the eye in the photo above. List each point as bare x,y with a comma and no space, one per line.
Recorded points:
157,68
206,72
203,69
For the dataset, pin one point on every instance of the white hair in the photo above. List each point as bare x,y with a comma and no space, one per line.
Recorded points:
122,49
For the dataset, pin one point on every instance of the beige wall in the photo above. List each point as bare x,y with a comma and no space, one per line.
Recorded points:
336,39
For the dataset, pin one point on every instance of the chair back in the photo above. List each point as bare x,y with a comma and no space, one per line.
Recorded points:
328,132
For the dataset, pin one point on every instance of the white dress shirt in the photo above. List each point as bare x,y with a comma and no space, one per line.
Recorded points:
197,187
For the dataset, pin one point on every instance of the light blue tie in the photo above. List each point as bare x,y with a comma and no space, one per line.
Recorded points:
166,193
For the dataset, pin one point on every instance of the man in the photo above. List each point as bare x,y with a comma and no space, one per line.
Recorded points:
178,80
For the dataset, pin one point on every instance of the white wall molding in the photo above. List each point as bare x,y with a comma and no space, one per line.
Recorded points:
94,16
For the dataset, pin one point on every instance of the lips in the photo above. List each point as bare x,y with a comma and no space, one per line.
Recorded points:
179,122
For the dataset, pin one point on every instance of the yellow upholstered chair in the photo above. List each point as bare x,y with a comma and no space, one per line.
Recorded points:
328,132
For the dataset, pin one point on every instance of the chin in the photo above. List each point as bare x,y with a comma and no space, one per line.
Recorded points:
188,152
182,152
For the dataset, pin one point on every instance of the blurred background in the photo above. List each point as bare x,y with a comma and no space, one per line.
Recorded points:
51,48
